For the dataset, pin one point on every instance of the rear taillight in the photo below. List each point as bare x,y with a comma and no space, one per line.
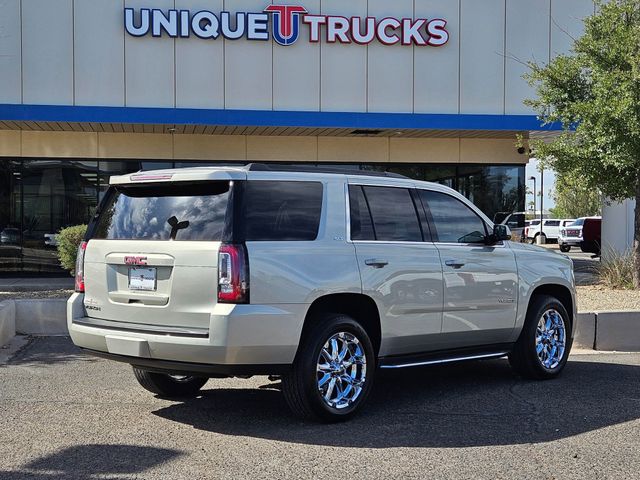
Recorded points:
80,268
233,274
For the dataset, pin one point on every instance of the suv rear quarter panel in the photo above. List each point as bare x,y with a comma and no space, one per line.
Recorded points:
299,272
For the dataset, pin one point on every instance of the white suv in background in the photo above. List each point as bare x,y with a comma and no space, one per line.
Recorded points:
317,277
550,228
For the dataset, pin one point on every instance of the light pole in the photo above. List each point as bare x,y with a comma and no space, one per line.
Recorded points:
541,199
534,195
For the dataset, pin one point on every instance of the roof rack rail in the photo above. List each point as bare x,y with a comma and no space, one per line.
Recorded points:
265,167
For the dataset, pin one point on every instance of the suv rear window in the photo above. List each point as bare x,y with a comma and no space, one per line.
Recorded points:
164,212
280,210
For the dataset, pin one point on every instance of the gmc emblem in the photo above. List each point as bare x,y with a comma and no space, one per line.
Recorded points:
132,260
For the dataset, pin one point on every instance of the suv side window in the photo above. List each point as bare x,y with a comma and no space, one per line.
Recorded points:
361,223
281,210
392,213
454,222
552,223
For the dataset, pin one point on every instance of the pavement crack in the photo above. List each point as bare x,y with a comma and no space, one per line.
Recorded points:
532,414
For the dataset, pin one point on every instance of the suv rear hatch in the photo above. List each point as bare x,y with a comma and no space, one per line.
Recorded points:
152,253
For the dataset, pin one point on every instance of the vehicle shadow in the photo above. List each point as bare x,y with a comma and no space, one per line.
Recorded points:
465,405
44,351
84,462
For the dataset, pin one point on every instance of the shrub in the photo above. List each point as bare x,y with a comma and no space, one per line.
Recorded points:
616,269
69,239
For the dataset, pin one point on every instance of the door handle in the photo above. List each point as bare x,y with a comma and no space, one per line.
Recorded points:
376,262
454,263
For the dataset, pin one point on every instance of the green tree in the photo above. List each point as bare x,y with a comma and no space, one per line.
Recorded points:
574,198
594,92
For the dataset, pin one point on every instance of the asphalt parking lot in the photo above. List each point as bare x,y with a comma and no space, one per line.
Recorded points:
66,415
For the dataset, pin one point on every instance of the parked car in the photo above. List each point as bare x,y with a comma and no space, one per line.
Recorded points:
10,236
550,229
515,221
51,239
571,235
591,236
316,277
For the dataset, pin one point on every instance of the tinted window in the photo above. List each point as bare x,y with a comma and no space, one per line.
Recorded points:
156,212
553,223
578,222
393,213
361,226
454,222
282,210
515,221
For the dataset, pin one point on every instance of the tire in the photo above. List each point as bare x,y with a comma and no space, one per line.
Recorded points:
565,248
301,385
167,385
524,357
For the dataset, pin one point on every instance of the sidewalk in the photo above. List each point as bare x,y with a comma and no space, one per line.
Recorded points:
35,284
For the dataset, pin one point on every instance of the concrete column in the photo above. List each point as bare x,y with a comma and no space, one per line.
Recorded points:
617,226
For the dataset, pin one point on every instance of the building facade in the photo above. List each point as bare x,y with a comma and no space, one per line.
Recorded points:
432,89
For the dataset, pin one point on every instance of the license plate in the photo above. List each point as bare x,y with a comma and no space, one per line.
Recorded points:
142,278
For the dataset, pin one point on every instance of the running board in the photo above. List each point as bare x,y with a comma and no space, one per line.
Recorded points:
391,362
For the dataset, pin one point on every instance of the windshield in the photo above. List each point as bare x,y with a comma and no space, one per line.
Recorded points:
164,212
578,223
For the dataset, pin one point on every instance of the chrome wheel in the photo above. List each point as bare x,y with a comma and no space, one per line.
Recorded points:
551,336
341,370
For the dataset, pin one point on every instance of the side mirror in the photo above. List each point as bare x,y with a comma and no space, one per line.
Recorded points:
501,232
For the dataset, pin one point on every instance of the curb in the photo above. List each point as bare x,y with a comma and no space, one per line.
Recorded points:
32,317
608,331
41,316
7,321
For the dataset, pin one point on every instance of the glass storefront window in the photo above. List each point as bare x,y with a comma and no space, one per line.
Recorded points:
10,216
39,197
54,194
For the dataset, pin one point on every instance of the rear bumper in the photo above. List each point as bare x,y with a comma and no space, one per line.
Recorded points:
193,369
238,339
572,241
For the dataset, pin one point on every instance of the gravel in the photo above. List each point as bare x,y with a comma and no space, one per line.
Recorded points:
599,298
35,294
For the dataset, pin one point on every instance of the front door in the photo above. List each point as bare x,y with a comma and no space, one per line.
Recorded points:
480,281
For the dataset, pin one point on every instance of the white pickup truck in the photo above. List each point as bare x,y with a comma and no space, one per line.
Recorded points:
550,229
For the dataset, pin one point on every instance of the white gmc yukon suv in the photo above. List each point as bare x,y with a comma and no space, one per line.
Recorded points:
316,277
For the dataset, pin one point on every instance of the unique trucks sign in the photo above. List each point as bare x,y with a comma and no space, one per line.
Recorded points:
284,23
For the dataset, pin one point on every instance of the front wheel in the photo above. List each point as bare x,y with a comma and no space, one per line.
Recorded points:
542,350
565,248
169,386
332,374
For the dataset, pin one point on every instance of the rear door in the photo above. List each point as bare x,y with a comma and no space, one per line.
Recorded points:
399,269
152,257
480,281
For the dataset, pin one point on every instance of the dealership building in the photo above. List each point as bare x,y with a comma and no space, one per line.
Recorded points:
431,89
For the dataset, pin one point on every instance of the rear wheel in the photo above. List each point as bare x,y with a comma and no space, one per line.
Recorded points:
542,350
565,248
333,372
167,385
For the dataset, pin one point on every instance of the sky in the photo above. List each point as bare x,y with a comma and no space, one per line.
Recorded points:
549,183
